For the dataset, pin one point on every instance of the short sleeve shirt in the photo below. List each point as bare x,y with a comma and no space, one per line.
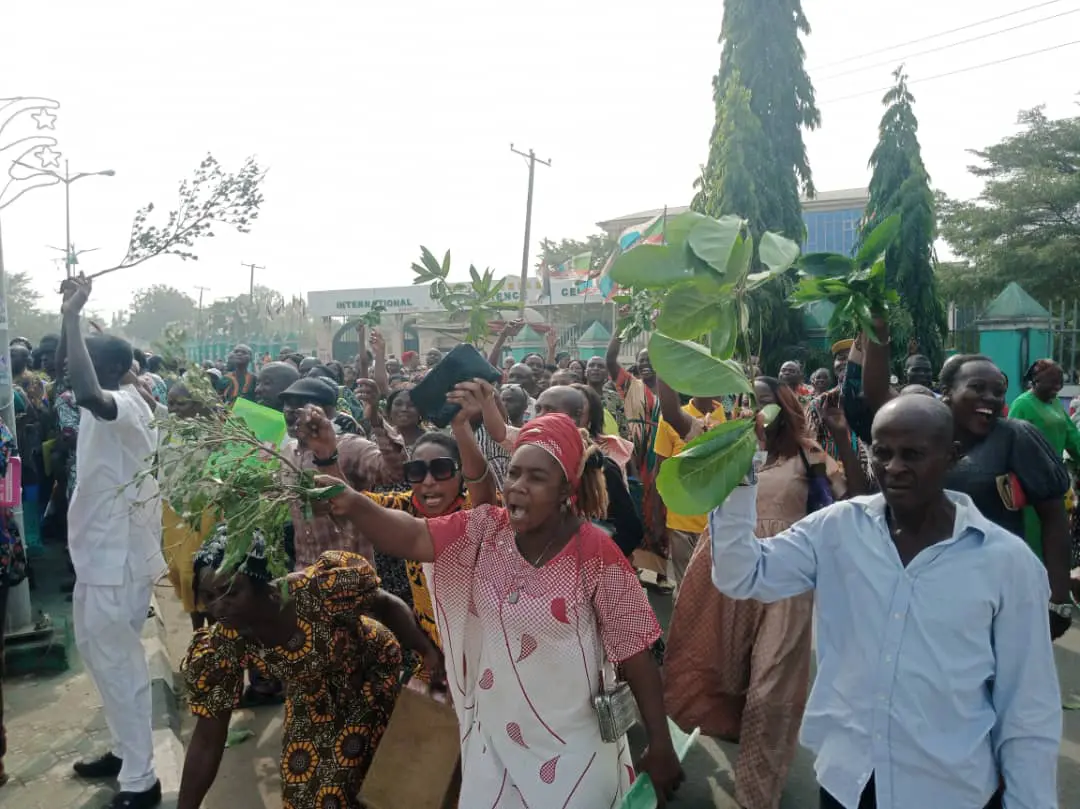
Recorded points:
1013,447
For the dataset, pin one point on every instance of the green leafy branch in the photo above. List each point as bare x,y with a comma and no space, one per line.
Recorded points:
697,283
476,303
855,286
373,316
214,465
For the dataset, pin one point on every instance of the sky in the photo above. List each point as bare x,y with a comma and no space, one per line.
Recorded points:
386,127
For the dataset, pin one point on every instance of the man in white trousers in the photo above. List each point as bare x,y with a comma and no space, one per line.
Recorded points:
114,536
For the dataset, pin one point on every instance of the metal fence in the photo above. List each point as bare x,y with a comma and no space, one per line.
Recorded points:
1064,326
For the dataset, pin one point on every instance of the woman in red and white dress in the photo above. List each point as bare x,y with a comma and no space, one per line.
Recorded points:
531,599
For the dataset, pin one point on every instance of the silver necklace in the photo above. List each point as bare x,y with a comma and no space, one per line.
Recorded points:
515,594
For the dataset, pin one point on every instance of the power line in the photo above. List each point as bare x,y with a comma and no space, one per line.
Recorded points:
957,30
957,72
946,47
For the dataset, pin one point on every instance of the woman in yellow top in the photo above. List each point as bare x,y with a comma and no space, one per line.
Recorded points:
438,489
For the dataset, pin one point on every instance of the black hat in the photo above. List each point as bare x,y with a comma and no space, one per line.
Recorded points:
313,390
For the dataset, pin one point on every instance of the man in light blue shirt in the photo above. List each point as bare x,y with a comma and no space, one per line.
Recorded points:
936,686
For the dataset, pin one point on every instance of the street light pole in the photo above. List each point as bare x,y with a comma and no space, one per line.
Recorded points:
68,249
70,258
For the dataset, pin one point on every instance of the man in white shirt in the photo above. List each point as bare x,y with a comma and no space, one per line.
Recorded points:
936,684
114,536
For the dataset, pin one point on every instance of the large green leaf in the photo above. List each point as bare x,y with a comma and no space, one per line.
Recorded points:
691,309
713,440
651,265
879,240
724,338
742,254
689,368
777,252
712,240
677,228
698,484
826,265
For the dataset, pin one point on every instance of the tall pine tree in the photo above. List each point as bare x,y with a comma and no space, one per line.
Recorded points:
901,185
762,52
757,160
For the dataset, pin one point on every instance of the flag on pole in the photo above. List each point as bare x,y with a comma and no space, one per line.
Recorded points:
574,267
649,232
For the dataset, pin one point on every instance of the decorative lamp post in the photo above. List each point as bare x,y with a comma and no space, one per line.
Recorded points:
26,156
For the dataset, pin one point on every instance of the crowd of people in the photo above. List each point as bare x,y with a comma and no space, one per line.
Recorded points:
505,562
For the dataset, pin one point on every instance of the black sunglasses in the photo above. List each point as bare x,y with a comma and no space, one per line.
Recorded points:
440,469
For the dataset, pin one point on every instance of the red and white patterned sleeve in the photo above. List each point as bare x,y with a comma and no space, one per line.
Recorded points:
466,526
627,622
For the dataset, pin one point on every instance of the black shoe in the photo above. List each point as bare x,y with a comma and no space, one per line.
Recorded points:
108,766
137,800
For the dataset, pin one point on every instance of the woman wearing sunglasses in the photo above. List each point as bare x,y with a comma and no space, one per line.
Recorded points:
532,599
438,489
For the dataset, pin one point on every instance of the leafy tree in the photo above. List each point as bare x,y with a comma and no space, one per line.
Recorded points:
154,308
25,317
1025,225
212,197
553,253
900,185
727,185
762,52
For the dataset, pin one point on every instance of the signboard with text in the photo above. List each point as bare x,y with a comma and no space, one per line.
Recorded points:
417,299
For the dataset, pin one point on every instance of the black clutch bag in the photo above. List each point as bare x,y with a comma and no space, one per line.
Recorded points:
463,363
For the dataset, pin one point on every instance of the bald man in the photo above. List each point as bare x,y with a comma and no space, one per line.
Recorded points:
935,683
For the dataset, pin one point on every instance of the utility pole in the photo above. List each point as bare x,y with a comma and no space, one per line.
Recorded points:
199,322
251,286
533,160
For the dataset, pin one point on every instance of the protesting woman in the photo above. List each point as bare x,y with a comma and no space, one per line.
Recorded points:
1004,463
530,599
333,641
740,670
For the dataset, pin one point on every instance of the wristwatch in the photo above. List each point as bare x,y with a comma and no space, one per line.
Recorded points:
1064,610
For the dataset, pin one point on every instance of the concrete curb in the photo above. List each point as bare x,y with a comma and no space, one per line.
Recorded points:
168,749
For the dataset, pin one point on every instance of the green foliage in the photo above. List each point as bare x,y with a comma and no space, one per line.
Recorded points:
214,464
857,287
553,253
156,307
211,198
764,100
373,316
1030,202
715,461
700,286
25,317
476,303
900,192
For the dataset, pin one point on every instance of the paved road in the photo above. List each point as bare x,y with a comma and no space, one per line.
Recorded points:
709,766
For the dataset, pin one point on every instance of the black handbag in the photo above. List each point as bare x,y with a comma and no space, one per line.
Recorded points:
462,364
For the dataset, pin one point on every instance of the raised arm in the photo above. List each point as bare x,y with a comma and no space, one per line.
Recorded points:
746,567
475,468
379,375
394,533
671,409
509,330
612,357
84,382
875,374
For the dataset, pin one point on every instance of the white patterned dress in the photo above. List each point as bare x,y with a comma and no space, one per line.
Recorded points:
523,647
